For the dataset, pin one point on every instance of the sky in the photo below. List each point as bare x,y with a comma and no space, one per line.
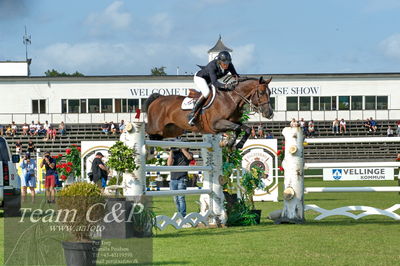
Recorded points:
127,37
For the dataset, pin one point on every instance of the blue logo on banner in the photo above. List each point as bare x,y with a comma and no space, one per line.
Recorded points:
337,174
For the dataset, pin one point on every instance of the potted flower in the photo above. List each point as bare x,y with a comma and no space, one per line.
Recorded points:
71,169
252,180
80,211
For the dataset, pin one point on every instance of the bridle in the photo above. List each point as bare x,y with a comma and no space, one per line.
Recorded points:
247,99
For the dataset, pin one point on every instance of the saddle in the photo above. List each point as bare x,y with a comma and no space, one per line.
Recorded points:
189,101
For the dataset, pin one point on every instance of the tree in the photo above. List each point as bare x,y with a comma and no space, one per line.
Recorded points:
158,71
55,73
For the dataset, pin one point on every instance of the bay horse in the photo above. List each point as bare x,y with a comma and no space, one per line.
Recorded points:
166,119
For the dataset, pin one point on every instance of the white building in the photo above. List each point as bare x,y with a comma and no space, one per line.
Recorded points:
95,99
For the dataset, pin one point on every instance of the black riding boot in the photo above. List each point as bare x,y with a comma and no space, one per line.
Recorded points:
197,106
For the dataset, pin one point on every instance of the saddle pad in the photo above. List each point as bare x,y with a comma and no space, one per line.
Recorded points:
188,103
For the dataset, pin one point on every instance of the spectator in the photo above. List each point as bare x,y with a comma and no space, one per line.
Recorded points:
28,179
311,128
390,132
31,148
105,127
25,129
113,128
398,157
335,126
374,126
18,147
62,129
261,133
100,171
303,126
253,134
41,131
293,123
50,180
342,126
8,130
398,128
1,130
51,134
14,128
367,125
32,129
46,126
269,135
121,126
178,179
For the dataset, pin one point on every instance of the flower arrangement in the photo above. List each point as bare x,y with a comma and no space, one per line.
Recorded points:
281,156
72,164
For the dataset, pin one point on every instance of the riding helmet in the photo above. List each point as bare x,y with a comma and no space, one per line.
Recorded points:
224,57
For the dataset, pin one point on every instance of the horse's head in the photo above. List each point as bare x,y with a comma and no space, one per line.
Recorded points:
261,97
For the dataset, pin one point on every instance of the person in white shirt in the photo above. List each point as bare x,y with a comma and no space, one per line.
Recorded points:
342,126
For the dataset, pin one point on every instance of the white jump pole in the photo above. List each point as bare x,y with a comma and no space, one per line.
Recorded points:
351,140
350,189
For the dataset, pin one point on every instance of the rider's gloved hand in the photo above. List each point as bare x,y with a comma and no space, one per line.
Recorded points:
230,86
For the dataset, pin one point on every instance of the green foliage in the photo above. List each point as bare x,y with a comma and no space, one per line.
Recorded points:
72,164
158,71
122,158
55,73
245,116
251,181
116,180
144,220
78,198
239,214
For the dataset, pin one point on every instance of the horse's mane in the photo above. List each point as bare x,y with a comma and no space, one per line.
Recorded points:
242,79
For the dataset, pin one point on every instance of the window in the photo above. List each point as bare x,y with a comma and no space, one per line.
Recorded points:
121,105
117,105
94,106
38,106
63,106
334,103
315,103
73,106
142,102
344,102
356,102
370,102
106,106
305,103
382,102
83,106
272,100
292,104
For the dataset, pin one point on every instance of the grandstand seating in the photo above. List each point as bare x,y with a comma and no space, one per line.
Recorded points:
315,152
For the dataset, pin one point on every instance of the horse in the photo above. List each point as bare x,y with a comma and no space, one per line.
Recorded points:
166,119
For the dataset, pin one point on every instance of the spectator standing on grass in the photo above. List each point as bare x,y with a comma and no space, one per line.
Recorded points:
28,179
62,129
50,179
335,126
178,181
390,132
100,171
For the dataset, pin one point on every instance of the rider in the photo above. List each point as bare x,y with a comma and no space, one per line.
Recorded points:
210,74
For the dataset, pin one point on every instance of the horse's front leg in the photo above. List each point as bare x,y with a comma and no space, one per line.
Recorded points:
225,125
247,132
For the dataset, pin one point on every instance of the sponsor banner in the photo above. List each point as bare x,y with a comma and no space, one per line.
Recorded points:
379,173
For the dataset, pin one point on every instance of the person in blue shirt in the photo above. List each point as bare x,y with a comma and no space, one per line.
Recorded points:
50,181
28,179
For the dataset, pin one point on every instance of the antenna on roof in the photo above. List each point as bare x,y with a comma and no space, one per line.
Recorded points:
27,41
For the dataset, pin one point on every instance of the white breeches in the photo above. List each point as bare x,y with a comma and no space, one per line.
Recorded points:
201,85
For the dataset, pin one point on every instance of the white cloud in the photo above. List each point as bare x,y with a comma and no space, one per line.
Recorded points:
391,46
380,5
111,17
199,51
243,56
162,24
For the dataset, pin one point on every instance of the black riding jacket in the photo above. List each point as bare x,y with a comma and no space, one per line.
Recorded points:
212,72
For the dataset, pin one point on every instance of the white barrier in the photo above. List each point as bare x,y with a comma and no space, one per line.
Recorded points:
390,212
211,196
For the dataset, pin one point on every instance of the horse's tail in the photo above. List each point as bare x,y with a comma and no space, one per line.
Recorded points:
149,100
